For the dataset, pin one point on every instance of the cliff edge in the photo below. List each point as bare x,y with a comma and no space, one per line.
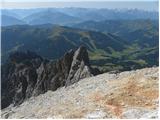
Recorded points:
130,94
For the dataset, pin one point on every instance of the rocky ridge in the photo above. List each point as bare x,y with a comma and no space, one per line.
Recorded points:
26,74
130,94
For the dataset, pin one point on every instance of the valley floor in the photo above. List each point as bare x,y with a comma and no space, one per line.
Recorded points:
130,94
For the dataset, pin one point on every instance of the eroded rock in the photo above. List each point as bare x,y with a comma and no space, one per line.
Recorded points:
27,74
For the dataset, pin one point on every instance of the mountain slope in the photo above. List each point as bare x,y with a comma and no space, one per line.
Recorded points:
9,20
45,39
127,95
109,14
142,32
143,39
48,16
9,13
69,16
106,51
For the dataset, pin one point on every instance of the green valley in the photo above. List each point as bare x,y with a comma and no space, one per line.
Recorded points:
107,51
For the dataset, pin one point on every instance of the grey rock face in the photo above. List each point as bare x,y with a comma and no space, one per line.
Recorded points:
27,74
140,113
80,67
19,77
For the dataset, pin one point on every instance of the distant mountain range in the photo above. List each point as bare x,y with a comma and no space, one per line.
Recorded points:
115,39
44,39
142,32
106,50
9,20
109,14
66,16
53,17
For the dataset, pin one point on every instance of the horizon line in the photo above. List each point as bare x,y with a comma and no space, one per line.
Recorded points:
45,7
124,4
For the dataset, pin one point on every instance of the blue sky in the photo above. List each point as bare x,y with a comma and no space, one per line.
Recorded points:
149,5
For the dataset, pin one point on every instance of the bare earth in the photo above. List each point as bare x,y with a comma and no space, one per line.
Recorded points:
131,94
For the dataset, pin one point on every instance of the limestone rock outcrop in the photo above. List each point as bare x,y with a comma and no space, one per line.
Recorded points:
125,95
26,74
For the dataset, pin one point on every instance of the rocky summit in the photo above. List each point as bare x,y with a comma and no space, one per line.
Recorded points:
130,94
26,74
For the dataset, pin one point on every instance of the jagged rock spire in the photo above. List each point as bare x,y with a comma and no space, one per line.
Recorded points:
37,75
